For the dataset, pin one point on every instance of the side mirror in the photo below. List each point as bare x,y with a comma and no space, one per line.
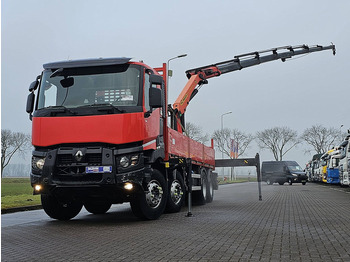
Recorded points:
155,97
33,86
156,80
30,104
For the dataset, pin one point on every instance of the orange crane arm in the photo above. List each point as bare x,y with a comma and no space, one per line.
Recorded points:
198,76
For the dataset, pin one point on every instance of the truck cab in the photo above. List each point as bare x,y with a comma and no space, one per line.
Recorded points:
344,162
98,138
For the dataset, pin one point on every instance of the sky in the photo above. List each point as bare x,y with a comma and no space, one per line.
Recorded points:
299,93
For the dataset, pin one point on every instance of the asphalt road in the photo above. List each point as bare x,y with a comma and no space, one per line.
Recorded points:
292,223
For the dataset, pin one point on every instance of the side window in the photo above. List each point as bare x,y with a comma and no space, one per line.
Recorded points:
146,93
50,96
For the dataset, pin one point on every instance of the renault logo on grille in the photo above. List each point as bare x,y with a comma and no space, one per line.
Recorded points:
79,156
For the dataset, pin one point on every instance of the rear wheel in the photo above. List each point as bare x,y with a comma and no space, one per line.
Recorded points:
151,204
61,210
176,195
210,191
281,183
97,207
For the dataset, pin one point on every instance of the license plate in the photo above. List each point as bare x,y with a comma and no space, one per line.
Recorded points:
303,180
98,169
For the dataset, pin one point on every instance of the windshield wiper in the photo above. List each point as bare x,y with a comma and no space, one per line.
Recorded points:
104,107
59,109
57,72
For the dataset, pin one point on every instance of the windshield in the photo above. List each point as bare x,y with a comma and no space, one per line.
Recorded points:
82,87
295,168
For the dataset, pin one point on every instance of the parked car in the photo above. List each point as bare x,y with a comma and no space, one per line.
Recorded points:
283,171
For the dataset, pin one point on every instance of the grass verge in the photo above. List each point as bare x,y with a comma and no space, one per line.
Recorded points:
17,192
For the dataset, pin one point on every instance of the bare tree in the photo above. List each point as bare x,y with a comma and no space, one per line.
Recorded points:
12,143
223,138
195,132
242,139
322,138
279,140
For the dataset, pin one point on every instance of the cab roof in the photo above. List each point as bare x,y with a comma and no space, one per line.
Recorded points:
87,62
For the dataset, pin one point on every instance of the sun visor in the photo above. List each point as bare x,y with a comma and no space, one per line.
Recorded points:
87,62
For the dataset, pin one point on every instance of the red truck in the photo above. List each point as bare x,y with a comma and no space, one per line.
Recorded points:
101,135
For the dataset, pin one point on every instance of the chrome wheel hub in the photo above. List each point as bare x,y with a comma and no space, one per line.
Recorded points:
154,194
176,192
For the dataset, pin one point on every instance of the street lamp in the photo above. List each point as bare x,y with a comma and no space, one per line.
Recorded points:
167,67
222,128
222,119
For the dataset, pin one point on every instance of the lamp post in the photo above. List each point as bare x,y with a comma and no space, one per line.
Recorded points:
222,128
222,119
167,75
167,67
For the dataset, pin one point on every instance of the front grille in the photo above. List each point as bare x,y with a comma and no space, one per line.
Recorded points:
63,160
89,159
69,168
94,159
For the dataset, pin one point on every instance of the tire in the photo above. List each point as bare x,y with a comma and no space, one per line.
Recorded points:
97,207
210,186
61,210
281,183
304,183
290,182
200,197
176,194
269,182
151,204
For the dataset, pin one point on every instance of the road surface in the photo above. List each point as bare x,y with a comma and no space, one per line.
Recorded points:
292,223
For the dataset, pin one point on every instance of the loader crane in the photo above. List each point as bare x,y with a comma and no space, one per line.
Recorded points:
199,76
101,136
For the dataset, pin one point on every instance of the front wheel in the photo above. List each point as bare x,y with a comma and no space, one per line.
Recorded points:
151,203
61,210
290,181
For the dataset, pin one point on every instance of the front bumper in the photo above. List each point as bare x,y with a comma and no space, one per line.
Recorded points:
95,168
299,179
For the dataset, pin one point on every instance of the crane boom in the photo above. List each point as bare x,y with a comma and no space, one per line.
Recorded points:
198,76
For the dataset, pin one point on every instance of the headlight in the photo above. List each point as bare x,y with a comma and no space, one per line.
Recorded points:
129,161
38,163
124,161
294,175
134,160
